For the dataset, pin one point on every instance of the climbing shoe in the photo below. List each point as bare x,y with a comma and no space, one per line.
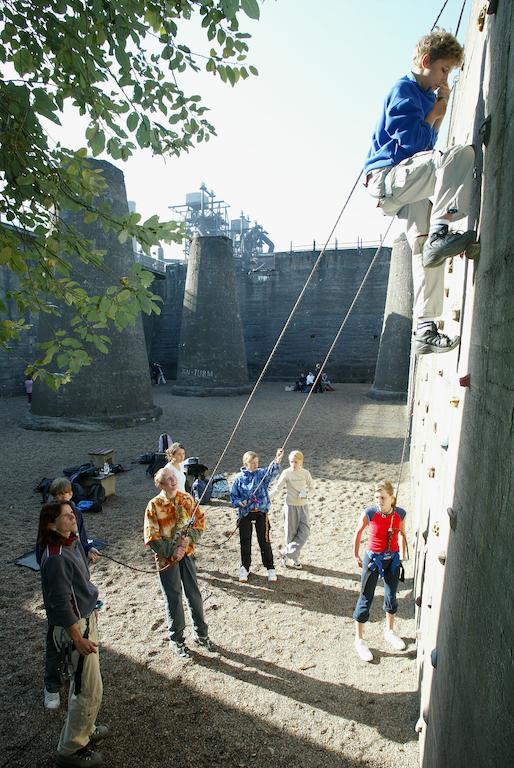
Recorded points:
430,340
441,244
99,734
83,757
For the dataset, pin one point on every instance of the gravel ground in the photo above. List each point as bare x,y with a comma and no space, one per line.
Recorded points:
285,686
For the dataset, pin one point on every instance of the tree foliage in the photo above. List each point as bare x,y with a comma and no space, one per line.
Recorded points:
118,63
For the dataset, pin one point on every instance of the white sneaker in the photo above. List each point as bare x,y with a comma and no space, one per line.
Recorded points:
394,640
272,576
243,574
52,700
363,651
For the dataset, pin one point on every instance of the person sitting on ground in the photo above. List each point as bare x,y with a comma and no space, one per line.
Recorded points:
249,495
70,598
327,384
176,455
61,491
385,522
298,483
166,515
404,173
300,383
309,381
318,386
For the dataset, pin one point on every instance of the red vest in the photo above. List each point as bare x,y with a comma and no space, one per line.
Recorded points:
379,533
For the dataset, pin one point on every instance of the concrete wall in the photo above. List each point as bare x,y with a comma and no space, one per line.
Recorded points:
13,362
462,455
266,298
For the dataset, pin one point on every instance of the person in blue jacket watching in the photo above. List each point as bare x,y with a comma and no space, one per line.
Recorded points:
428,188
249,495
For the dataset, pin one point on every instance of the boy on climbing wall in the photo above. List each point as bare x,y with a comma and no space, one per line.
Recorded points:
426,187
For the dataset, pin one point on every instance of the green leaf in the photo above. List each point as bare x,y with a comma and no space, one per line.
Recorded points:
251,8
132,121
230,8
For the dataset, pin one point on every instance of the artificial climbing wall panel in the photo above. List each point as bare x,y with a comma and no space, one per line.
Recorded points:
461,452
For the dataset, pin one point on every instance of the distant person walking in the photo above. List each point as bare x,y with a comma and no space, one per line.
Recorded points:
28,389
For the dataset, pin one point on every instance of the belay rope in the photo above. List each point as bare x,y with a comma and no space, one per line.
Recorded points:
187,527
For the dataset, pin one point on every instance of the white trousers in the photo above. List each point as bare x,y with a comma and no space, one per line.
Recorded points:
426,187
82,709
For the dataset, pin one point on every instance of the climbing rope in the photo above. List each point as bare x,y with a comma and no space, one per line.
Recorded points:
439,15
321,369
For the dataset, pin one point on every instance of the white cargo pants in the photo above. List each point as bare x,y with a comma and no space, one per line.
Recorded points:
427,186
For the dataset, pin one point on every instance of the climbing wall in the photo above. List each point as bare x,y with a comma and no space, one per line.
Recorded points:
461,452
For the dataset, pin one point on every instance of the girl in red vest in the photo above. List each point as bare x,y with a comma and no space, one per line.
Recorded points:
386,535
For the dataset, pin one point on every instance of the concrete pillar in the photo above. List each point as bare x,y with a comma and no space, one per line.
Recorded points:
115,390
392,371
212,356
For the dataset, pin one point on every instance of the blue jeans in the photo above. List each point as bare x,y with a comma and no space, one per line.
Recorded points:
172,580
369,581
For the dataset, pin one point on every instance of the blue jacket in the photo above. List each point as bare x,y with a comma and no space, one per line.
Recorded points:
401,130
245,485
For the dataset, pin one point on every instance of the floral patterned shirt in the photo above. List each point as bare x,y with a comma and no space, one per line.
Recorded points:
165,517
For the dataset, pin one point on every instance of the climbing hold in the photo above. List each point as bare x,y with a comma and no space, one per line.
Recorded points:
446,292
426,408
454,402
456,315
440,373
452,514
481,18
450,266
436,529
442,557
431,472
440,325
418,601
434,426
419,725
485,130
465,381
429,602
433,657
444,443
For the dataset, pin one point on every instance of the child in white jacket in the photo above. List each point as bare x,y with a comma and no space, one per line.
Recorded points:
298,483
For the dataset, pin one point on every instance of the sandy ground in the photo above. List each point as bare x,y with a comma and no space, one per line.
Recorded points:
286,688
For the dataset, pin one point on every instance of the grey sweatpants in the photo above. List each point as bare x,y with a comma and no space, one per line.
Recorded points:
423,188
296,529
82,709
182,575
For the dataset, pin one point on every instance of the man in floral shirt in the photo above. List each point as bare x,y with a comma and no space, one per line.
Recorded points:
165,517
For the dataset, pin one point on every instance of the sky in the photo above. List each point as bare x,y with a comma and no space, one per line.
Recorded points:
291,141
